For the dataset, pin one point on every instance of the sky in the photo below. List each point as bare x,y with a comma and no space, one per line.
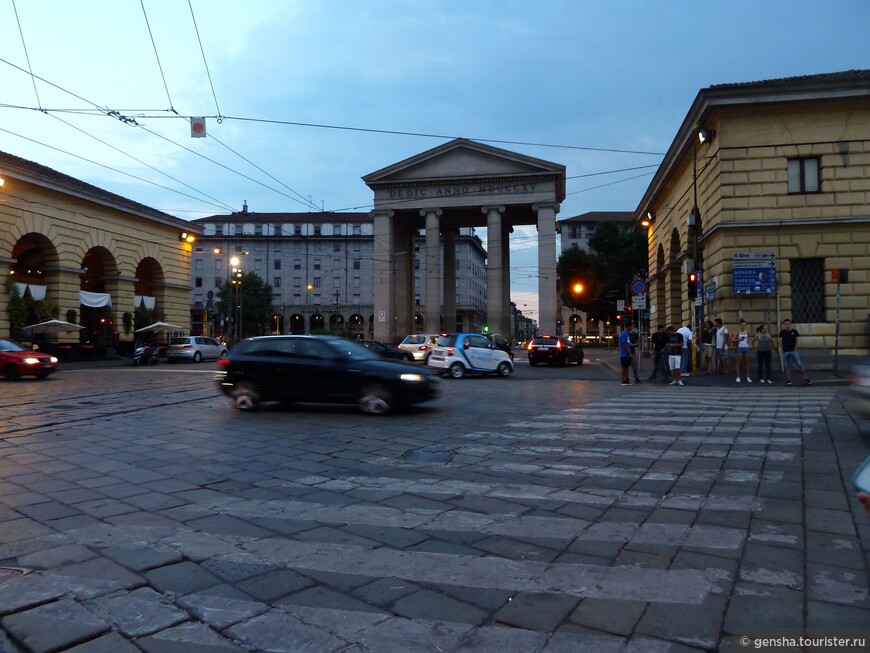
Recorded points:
303,98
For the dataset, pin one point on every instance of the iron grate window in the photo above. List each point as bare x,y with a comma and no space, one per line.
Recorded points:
807,290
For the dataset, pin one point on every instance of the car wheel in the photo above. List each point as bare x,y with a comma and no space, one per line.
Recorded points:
245,396
503,369
456,371
375,399
409,358
533,363
426,359
11,372
580,361
197,357
223,353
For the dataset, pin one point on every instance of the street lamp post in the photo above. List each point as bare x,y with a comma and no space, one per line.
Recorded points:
236,281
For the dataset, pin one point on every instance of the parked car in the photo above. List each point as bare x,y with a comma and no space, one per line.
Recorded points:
859,386
459,353
320,369
386,351
419,344
502,343
195,349
17,361
554,350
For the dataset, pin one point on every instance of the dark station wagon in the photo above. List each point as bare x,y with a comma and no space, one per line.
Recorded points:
320,369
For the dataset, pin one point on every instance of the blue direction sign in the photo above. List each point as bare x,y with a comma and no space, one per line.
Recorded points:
754,272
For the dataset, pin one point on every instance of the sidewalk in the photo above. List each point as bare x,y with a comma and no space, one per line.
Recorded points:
820,373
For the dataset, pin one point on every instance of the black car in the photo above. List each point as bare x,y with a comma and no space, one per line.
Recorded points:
501,343
320,369
385,351
554,350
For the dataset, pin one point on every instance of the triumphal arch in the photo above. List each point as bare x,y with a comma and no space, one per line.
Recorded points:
459,184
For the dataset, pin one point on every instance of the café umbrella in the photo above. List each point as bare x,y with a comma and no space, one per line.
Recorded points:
49,327
159,327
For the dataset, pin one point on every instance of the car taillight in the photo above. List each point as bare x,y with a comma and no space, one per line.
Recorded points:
449,351
223,362
187,347
422,348
531,346
558,344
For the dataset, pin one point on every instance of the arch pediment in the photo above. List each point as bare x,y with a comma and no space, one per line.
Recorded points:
462,159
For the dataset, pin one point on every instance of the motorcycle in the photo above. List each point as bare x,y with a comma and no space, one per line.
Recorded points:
146,355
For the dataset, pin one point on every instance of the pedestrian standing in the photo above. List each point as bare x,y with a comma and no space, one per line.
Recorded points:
722,339
764,344
659,341
675,356
741,345
625,354
686,352
788,342
708,346
634,341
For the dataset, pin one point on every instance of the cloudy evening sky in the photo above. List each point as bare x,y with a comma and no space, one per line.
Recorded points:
560,76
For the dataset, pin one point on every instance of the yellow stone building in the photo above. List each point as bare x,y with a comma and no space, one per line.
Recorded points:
765,190
74,246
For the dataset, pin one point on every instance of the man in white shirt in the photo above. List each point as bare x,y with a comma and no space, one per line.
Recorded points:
722,339
686,361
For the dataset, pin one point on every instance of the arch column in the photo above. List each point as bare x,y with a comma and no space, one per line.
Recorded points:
432,317
383,268
450,279
546,221
495,290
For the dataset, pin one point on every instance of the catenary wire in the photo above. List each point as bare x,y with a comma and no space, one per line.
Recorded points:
204,61
26,55
157,56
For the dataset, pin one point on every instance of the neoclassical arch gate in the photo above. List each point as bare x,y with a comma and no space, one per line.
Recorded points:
460,184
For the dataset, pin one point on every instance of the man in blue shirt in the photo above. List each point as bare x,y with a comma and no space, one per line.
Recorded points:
625,354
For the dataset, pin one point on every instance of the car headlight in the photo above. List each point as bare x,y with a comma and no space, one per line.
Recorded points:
53,359
31,361
411,377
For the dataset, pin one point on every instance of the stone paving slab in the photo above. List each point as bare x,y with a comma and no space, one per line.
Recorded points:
556,527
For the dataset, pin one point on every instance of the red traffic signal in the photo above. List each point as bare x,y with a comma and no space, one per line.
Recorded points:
692,286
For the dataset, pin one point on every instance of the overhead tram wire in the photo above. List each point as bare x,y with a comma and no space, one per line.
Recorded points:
121,172
147,165
26,55
204,61
157,56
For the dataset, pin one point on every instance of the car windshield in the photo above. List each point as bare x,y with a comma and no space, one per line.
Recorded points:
352,350
178,341
9,345
445,341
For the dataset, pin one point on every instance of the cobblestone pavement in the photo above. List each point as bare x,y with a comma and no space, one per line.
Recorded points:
553,511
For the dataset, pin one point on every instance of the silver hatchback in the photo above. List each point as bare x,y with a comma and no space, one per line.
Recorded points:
195,349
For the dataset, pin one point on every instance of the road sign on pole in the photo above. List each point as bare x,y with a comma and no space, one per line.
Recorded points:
754,272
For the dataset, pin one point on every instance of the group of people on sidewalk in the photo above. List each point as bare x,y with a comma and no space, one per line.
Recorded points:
672,352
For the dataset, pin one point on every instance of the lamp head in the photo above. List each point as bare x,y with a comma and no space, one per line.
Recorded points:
705,135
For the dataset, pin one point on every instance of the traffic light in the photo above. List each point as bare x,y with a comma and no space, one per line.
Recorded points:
693,285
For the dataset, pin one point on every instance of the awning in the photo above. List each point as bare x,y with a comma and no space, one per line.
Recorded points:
37,293
22,288
95,299
144,300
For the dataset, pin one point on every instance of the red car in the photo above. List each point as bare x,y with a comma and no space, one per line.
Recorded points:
17,361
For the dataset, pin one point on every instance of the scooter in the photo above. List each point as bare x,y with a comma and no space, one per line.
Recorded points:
146,355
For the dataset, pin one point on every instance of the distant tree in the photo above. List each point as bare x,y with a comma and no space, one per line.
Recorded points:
616,255
256,303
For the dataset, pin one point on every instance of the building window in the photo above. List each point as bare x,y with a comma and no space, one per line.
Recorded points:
218,230
197,299
356,264
336,230
336,282
277,283
357,230
356,282
317,230
277,264
317,282
218,265
804,176
297,282
258,230
297,264
197,264
218,282
258,264
297,298
807,290
198,282
336,247
297,229
317,264
356,246
356,299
